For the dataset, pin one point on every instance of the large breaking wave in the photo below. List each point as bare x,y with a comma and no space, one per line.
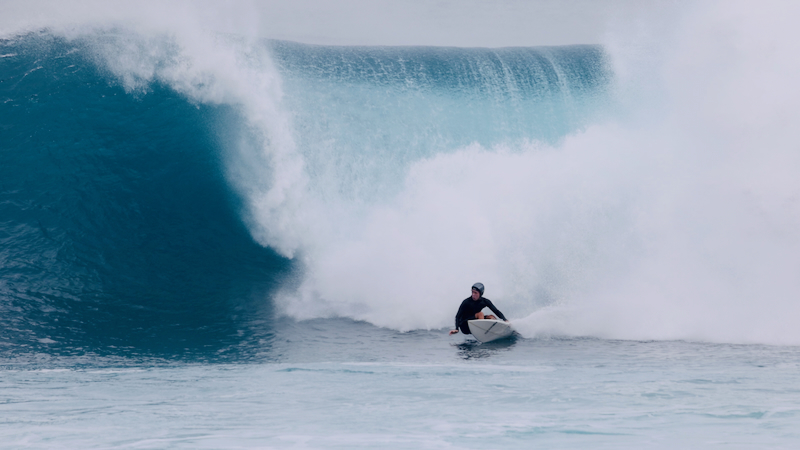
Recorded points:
643,190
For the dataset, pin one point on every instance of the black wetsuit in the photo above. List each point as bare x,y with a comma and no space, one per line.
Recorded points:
469,308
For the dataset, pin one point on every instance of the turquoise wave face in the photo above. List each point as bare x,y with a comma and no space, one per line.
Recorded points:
120,229
369,112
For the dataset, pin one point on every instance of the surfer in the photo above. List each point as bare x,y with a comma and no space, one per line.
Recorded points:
472,308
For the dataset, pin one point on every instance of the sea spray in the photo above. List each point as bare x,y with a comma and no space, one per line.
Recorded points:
718,224
673,220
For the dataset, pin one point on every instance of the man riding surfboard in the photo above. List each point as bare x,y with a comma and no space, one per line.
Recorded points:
472,308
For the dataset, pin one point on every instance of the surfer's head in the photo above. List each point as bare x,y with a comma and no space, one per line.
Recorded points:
477,291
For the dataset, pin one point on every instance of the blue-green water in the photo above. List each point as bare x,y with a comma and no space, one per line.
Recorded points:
262,244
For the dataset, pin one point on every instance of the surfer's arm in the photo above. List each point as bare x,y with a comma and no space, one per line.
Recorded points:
495,310
462,311
459,314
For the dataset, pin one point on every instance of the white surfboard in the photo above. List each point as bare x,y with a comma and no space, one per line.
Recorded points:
487,330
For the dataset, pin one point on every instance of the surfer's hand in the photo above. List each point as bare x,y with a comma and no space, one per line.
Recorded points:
452,332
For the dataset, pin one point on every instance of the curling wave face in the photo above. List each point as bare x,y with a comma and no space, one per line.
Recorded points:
119,231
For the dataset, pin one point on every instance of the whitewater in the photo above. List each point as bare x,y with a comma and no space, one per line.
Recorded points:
223,227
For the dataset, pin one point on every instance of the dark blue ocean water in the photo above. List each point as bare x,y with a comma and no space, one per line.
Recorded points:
119,232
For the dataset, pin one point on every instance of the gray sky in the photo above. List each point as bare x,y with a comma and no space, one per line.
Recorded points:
485,23
448,22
